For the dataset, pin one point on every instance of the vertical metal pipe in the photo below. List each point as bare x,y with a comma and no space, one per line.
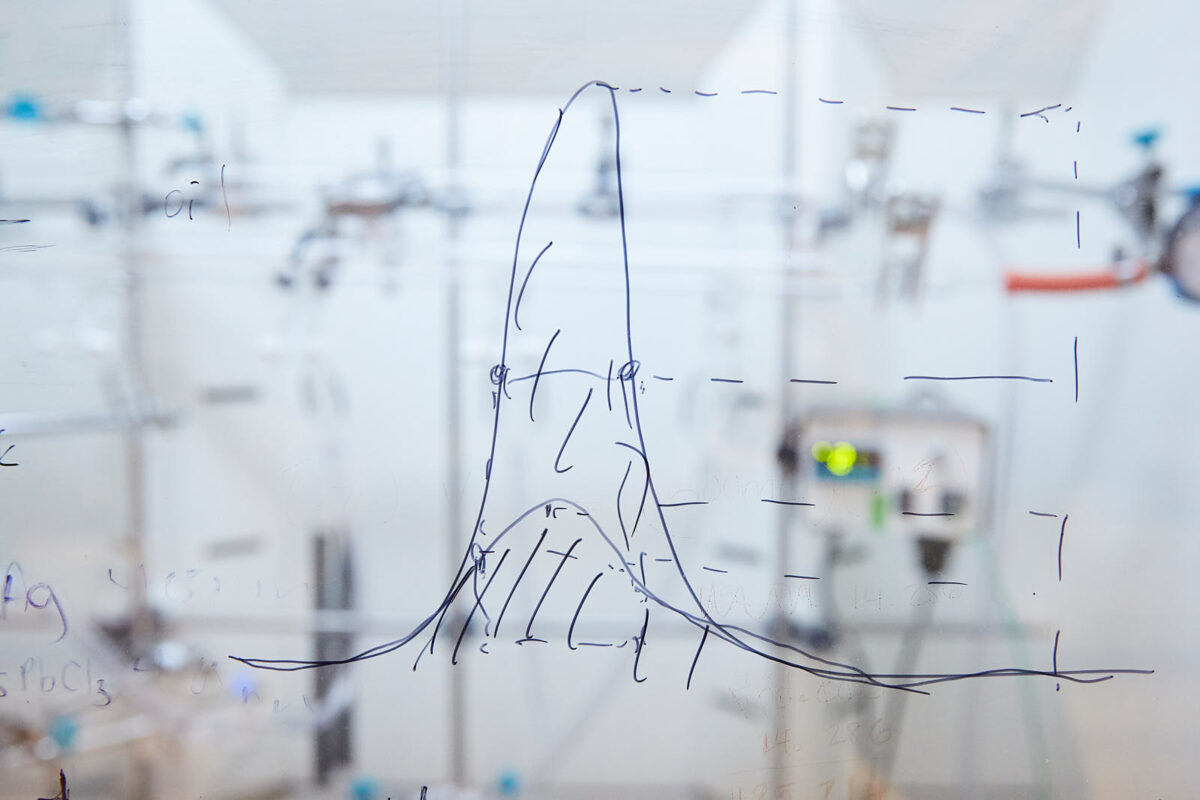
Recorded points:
454,20
135,370
129,208
788,322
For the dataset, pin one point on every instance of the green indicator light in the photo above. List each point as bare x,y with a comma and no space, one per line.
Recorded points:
840,459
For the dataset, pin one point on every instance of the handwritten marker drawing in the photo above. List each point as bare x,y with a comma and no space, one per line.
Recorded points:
561,560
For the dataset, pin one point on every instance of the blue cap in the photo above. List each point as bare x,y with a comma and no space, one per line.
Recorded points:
23,106
363,788
1147,137
63,730
191,121
508,783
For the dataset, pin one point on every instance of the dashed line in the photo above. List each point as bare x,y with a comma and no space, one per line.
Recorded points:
1062,532
828,101
977,378
1076,355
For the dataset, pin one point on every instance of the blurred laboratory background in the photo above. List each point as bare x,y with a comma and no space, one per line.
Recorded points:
907,297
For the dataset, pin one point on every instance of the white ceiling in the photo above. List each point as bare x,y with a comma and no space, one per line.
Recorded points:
1011,48
529,47
69,47
945,47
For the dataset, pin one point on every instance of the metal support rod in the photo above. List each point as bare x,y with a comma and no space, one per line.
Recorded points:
141,622
788,323
135,371
454,21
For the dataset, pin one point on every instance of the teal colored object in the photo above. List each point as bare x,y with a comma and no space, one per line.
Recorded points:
509,783
191,121
24,107
1147,138
364,788
63,730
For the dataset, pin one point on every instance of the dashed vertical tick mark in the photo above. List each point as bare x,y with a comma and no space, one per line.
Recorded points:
1062,532
1057,686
